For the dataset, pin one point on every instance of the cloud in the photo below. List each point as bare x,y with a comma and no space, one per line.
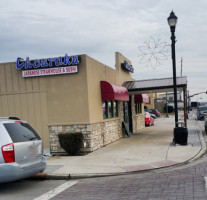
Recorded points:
45,28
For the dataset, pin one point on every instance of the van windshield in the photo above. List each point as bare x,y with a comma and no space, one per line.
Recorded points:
21,132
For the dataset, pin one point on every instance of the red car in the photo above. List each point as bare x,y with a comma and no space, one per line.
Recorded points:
148,119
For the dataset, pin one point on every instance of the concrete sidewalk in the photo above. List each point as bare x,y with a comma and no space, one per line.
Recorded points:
151,148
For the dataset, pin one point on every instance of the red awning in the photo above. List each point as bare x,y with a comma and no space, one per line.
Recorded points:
113,92
141,98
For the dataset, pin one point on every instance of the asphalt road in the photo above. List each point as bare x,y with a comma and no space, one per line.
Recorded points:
26,189
185,182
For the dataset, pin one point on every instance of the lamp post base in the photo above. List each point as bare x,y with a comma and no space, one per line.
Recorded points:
180,135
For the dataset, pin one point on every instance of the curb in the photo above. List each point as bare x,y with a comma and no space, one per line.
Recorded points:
49,177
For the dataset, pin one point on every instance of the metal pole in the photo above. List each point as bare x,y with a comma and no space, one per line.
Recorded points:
172,28
188,103
166,106
185,106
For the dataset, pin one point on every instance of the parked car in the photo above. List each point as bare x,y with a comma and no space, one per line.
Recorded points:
153,116
156,112
153,112
150,112
149,120
200,112
21,150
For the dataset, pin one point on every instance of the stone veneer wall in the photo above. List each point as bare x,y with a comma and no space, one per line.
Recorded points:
95,135
138,122
137,119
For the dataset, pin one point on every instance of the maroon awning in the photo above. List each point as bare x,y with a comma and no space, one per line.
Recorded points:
141,98
113,92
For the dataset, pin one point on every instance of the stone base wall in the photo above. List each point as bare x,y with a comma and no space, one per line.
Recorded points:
105,133
95,135
138,122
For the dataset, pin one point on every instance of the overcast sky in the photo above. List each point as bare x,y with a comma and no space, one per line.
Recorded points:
99,28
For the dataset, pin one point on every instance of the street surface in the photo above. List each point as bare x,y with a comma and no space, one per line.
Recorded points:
176,183
26,189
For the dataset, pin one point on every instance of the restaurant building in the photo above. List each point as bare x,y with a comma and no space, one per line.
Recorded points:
72,94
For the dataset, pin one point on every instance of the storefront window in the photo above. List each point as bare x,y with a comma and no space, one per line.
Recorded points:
116,109
110,109
138,108
110,105
105,110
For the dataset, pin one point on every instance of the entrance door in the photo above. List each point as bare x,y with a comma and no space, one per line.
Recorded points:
128,115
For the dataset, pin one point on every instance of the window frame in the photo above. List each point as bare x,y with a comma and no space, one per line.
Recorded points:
111,111
105,112
138,108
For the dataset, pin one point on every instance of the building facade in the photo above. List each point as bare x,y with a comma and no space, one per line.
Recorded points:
67,94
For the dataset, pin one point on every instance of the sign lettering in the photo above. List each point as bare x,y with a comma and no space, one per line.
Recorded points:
50,71
47,62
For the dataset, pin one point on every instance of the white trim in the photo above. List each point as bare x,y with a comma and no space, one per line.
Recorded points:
56,191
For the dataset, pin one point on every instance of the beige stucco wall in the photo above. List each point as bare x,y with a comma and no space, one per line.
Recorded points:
44,101
97,72
25,98
122,75
58,100
76,98
68,97
151,105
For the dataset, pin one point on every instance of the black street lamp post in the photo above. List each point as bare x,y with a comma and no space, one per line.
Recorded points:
172,21
180,133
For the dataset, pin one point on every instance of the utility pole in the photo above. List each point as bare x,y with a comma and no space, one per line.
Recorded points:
181,67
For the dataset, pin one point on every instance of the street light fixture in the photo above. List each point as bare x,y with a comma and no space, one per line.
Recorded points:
172,21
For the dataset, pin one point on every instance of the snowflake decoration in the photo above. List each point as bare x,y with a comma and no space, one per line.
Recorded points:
153,52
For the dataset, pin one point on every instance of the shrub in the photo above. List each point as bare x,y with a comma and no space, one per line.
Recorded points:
71,142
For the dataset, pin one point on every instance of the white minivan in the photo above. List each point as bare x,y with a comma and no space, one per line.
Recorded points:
21,150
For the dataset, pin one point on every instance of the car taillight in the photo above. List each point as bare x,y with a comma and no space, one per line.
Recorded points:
8,153
156,112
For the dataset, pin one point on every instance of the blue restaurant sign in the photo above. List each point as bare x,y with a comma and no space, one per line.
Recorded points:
48,66
127,67
47,62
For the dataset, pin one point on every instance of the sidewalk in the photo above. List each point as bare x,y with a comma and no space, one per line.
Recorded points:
151,148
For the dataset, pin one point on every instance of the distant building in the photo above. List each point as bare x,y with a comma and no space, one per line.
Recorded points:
170,96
